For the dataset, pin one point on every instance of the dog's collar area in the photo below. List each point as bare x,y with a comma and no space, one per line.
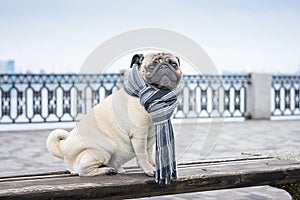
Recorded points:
158,87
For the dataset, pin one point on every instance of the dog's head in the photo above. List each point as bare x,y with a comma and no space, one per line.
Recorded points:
160,70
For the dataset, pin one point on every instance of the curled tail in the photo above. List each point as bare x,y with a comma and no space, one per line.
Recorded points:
53,142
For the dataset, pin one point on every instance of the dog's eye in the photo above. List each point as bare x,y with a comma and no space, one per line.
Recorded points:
174,65
150,67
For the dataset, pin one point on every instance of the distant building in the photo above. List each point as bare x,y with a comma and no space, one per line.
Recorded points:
7,67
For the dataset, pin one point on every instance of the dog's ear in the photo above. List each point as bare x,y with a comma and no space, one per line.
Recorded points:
178,60
137,59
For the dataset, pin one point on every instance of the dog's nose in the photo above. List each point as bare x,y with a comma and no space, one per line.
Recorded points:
163,67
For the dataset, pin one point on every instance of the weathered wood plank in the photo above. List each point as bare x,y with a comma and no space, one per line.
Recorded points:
193,177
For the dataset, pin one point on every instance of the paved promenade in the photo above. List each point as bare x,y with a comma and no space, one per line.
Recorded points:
26,151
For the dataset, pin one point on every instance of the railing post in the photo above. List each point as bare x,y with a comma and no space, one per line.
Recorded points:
259,96
123,76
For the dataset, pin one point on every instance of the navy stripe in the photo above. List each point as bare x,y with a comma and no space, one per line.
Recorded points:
160,104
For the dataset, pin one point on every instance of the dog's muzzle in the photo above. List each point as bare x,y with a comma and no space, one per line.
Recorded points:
164,78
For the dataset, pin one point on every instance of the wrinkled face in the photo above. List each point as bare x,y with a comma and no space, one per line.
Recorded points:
161,70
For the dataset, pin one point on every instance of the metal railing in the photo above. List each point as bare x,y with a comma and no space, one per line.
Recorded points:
285,95
36,98
213,96
52,98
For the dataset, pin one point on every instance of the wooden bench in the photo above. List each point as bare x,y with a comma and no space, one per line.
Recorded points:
193,177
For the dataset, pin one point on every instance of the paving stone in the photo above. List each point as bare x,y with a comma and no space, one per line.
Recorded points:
25,151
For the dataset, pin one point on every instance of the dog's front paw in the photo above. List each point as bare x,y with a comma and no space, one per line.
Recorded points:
151,174
150,171
152,162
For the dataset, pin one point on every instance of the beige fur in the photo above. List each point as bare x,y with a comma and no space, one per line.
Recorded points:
109,135
106,138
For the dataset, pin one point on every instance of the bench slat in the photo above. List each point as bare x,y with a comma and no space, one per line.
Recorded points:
193,177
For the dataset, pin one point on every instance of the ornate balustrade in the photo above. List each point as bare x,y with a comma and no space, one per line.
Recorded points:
213,96
52,98
66,97
285,95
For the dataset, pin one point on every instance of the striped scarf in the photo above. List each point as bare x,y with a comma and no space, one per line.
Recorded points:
160,104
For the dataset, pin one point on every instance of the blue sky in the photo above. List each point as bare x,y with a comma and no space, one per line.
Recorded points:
238,35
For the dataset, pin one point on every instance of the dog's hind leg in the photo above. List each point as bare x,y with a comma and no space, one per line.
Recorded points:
92,163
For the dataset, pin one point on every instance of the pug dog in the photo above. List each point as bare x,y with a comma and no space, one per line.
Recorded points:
118,128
